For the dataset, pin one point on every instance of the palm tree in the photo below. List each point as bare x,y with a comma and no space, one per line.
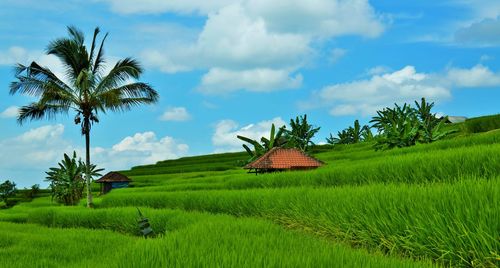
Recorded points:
87,91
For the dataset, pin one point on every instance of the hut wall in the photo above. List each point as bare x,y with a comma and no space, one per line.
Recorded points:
106,188
115,185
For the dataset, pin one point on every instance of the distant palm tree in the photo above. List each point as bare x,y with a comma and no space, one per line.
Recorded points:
87,91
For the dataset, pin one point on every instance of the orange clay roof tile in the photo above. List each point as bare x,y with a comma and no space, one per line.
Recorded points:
283,158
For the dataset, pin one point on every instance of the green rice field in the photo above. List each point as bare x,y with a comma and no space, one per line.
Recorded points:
430,205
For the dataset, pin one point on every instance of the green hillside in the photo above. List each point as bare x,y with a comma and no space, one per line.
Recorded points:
428,205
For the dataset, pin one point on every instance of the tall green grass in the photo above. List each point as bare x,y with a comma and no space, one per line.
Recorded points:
216,162
219,242
26,245
482,124
439,166
121,219
455,223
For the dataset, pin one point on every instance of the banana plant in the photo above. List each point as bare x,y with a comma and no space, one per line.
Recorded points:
276,139
301,133
403,126
352,134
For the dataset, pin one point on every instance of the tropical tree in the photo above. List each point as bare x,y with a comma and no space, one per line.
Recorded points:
67,180
431,127
7,190
276,139
87,90
32,192
301,133
343,137
351,135
404,126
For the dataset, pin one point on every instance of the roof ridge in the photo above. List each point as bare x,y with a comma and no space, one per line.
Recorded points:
302,160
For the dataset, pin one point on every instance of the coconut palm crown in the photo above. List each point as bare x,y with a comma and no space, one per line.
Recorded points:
86,90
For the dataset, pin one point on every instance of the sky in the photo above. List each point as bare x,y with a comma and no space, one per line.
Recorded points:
234,67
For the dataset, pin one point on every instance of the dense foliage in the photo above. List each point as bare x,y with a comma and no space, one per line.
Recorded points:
404,126
351,135
7,190
301,133
67,180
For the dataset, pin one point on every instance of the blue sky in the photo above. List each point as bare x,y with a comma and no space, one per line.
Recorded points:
225,67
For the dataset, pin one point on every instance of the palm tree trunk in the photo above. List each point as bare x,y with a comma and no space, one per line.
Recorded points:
90,202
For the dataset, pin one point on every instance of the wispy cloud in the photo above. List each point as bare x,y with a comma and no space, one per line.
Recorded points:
405,85
176,114
10,112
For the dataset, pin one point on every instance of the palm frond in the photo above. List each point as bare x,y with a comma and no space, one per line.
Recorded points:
99,60
37,111
36,80
127,103
71,51
76,35
134,94
123,71
92,47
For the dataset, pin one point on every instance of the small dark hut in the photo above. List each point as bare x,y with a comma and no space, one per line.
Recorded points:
113,180
280,159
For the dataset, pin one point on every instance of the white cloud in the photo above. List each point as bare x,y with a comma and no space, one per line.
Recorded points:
324,18
482,33
157,6
321,18
10,112
367,96
486,58
13,55
378,70
220,81
248,35
139,149
482,9
36,149
477,76
481,28
336,54
176,114
25,158
224,137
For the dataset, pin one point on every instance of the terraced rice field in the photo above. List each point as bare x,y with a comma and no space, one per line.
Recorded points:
423,206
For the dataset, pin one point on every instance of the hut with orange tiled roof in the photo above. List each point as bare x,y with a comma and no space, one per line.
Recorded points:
280,159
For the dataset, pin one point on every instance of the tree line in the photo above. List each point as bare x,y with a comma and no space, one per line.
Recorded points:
396,127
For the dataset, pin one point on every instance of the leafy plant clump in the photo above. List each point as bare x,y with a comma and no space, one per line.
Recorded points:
67,181
276,139
301,134
404,126
299,137
351,135
7,190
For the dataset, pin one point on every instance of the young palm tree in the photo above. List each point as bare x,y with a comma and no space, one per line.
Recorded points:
87,91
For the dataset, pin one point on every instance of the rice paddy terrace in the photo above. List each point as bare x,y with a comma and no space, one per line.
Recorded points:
433,205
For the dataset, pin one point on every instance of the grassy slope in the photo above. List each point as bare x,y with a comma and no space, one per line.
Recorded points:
213,241
437,201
